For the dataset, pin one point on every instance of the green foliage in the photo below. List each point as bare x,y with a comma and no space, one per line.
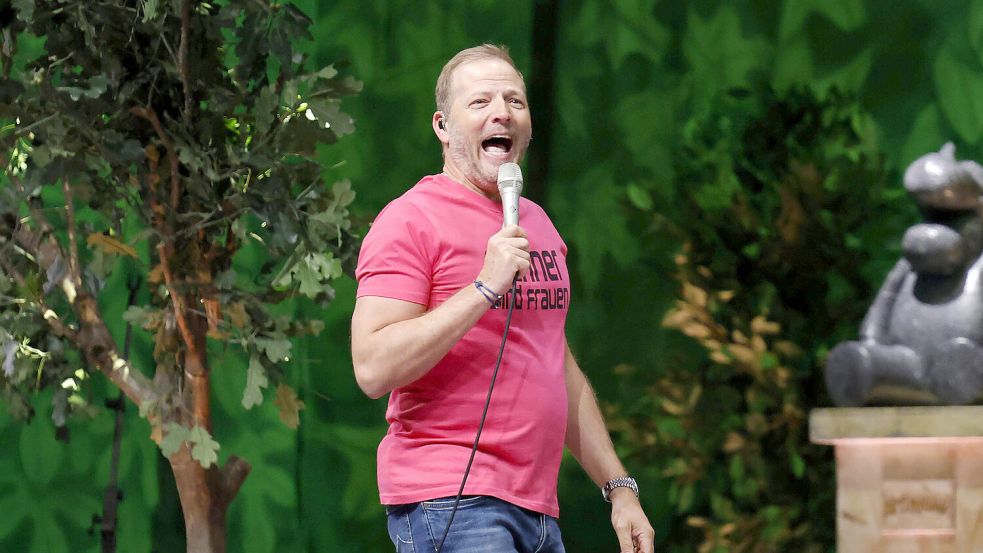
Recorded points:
172,146
49,490
207,154
203,448
263,517
174,437
255,382
773,195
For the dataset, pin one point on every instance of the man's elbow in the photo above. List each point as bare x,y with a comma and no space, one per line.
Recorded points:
370,381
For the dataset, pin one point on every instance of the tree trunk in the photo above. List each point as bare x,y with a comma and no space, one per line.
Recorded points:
205,496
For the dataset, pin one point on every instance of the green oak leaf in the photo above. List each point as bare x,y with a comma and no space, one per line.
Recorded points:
204,448
255,382
328,113
309,279
276,345
150,10
147,319
343,192
174,436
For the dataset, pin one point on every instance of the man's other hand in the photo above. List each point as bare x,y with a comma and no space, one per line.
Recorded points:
635,534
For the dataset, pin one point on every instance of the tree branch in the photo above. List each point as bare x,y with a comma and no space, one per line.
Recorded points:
151,115
182,53
232,475
12,271
36,213
100,349
93,338
73,252
7,50
47,313
177,300
39,122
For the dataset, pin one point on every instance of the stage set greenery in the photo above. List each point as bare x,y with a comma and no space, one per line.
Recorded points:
169,147
726,176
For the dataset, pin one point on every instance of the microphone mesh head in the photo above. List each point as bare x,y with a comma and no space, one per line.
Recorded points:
509,177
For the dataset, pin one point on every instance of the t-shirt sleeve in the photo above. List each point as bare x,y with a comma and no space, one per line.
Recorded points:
396,260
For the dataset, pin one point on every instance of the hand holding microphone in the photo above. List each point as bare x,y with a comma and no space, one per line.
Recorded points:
507,254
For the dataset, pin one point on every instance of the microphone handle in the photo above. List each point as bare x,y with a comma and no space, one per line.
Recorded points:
510,207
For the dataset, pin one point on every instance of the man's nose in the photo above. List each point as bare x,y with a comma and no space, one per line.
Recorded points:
500,111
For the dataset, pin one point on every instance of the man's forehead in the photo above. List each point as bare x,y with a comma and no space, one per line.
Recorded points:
489,72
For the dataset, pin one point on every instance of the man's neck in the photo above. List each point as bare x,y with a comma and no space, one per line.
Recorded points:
458,177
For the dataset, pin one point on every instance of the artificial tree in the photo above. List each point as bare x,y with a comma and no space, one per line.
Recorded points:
172,141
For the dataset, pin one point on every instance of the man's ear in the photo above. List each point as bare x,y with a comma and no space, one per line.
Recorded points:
439,124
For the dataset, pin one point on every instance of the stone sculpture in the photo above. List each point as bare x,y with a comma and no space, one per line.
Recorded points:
920,342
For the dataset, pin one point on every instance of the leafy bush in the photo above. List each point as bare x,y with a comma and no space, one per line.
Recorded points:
780,254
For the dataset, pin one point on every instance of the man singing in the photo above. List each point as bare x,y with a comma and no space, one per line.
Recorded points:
434,275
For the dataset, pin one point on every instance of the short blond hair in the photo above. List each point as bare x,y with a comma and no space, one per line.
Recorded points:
484,51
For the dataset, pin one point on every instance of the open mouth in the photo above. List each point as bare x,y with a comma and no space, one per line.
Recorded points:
498,145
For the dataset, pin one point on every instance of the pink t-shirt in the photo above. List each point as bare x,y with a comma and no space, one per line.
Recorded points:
424,247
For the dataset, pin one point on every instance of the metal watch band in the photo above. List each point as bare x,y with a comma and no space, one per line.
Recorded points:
623,482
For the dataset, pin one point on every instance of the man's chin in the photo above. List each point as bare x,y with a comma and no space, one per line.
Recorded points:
490,167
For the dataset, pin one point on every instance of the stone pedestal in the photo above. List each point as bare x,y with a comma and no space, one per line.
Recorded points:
908,479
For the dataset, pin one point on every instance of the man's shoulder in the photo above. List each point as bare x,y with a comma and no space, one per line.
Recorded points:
418,197
529,208
411,198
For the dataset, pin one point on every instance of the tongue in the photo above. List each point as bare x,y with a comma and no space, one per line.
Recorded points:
495,148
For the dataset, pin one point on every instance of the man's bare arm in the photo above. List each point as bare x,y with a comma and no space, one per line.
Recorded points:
395,342
588,440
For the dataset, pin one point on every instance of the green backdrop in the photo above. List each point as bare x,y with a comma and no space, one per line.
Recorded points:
626,76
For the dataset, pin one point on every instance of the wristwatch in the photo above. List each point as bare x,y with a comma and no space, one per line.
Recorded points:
623,482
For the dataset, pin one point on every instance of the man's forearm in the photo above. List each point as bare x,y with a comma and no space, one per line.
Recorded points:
587,436
401,352
588,439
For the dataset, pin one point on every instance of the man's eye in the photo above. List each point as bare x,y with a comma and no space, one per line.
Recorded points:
517,102
479,101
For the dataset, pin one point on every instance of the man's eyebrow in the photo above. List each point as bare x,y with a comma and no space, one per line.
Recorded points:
489,92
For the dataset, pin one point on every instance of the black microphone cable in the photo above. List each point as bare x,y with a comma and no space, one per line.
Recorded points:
481,425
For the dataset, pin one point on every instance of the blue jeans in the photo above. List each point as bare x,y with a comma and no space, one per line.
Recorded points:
482,525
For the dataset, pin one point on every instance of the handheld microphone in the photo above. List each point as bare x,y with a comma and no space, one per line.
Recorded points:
509,188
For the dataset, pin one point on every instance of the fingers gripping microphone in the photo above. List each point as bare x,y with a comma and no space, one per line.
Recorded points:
509,188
